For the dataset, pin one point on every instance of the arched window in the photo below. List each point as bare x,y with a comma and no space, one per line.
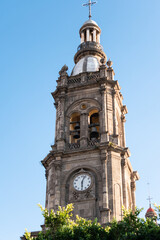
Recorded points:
93,124
74,127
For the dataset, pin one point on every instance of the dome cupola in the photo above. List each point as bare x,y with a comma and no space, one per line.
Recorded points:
90,51
150,213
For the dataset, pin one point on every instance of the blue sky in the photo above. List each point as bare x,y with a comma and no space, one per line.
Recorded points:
37,38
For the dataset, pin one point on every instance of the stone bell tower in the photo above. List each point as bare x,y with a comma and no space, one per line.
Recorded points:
89,163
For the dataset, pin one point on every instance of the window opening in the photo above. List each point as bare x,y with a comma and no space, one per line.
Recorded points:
91,35
94,125
85,36
74,128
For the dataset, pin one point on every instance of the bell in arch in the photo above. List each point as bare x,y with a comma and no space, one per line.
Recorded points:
77,126
76,135
94,133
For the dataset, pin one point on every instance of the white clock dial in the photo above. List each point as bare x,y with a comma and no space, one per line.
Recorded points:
82,182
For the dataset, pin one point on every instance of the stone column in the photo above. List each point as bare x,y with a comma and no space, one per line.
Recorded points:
124,185
104,127
94,35
98,37
133,189
82,37
87,35
83,129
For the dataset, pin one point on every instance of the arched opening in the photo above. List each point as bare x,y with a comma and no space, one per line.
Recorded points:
85,36
93,124
91,35
74,128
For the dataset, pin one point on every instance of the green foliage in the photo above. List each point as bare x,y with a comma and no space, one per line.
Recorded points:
59,226
134,228
27,235
157,209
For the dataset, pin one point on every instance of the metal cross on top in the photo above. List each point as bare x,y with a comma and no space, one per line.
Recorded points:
149,198
89,4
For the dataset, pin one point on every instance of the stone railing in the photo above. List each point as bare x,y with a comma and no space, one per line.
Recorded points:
93,76
88,77
74,80
92,143
73,146
90,45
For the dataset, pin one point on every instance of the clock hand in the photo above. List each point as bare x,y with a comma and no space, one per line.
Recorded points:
82,182
82,185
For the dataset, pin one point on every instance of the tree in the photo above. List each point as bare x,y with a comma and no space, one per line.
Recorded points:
60,226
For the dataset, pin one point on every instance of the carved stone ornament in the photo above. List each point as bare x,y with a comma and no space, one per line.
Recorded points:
88,194
75,195
63,70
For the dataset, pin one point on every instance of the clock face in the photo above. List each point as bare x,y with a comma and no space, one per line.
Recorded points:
82,182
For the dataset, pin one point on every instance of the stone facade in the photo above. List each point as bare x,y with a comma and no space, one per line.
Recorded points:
90,138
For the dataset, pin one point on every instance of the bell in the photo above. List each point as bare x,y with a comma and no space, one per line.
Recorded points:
76,135
94,133
77,126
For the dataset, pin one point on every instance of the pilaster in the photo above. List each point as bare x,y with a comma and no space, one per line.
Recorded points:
103,114
58,166
61,138
134,178
110,71
114,113
123,130
105,211
124,180
83,129
103,69
46,175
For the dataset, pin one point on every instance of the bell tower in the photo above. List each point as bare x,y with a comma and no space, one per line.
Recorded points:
89,163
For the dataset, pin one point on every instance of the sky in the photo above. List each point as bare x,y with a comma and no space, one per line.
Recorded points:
37,38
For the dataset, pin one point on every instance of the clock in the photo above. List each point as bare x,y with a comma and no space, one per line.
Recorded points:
82,182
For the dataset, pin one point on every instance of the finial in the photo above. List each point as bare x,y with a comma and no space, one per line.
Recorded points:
109,63
89,4
149,197
63,70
